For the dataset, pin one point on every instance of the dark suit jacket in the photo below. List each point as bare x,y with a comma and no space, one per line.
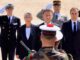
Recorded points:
8,31
71,40
32,42
39,33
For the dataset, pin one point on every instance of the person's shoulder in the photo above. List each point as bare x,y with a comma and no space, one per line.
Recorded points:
79,21
17,18
62,15
3,16
41,24
67,22
34,26
23,26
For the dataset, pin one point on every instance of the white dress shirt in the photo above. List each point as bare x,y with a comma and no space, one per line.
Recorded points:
10,18
73,25
28,30
58,14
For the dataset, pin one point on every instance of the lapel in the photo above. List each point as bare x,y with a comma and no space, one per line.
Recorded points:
31,32
32,35
6,19
31,38
13,19
70,26
78,25
24,33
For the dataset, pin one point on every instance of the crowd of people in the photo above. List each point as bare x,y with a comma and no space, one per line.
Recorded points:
57,38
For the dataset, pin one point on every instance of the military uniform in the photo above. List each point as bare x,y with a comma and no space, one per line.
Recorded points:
47,54
59,19
9,26
8,35
48,51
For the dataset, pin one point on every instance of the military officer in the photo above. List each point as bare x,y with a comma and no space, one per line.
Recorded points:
9,26
58,18
49,35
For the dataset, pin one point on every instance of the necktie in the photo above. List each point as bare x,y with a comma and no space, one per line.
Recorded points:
74,26
9,19
56,17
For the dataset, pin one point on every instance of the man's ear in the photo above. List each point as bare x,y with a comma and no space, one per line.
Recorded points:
79,13
55,39
41,37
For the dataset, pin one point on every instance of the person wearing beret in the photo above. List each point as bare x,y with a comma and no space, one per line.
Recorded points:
27,34
71,33
9,27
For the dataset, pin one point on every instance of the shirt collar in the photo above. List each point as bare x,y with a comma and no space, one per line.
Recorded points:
57,14
46,23
74,21
27,28
10,17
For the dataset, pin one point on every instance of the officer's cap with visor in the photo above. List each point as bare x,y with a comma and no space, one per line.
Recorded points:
9,6
51,30
56,3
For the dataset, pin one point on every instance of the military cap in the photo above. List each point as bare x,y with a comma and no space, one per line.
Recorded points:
51,30
9,6
56,2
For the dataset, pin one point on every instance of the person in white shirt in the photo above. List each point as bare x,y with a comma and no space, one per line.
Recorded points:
27,34
71,33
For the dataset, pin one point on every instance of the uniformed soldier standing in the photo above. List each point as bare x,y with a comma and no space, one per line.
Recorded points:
58,18
9,26
49,35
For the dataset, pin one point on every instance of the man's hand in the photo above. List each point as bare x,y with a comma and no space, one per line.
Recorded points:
17,56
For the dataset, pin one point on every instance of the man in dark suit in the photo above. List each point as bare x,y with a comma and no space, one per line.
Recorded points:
9,26
71,32
27,34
